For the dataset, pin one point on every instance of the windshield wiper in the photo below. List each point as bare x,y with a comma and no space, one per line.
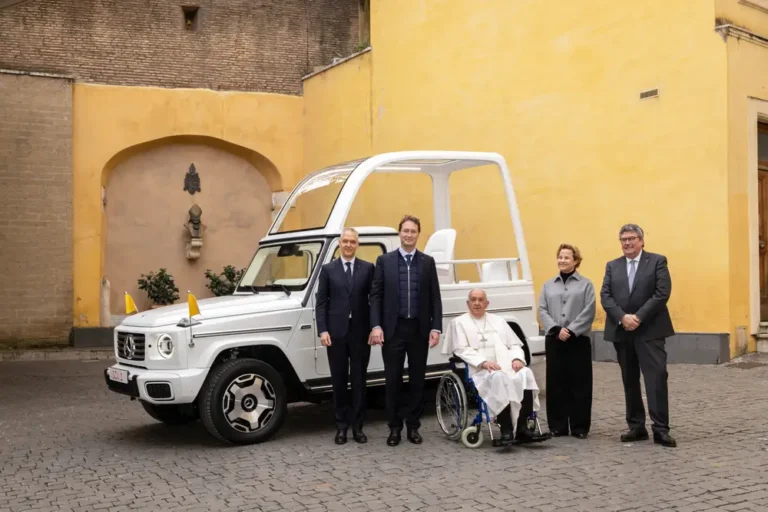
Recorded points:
248,288
285,289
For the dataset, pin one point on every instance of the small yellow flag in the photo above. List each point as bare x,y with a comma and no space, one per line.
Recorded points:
130,306
193,308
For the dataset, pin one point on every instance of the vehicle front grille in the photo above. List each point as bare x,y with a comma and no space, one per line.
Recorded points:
131,346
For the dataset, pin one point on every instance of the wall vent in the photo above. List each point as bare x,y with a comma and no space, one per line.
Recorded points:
650,93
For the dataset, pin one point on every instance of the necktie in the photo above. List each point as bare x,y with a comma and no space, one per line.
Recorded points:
408,259
631,273
348,273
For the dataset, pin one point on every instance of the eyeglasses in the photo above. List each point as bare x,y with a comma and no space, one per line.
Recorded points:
628,239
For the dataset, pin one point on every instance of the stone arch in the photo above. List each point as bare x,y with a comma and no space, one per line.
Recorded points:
145,208
259,161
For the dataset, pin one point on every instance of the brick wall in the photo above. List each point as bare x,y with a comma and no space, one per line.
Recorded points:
254,45
35,208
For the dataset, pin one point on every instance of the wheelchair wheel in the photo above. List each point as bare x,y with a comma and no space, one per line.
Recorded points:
451,406
472,437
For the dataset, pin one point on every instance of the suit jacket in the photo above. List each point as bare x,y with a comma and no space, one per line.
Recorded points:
335,300
385,294
648,298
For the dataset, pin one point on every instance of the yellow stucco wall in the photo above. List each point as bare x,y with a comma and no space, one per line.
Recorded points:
337,111
747,82
339,128
556,91
110,122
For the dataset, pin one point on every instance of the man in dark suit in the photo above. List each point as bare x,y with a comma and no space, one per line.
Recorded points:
635,292
407,318
343,321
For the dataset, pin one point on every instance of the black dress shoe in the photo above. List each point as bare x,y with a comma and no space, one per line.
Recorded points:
559,433
636,434
414,436
664,439
359,436
394,437
507,437
341,437
580,435
529,436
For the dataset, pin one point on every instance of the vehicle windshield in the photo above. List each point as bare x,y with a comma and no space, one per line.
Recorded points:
287,266
311,203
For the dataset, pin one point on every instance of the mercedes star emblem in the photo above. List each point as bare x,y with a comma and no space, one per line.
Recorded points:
129,349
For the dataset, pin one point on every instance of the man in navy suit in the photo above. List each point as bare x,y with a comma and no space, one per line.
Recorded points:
407,317
342,312
635,291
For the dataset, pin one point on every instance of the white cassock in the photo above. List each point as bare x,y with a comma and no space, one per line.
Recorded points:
491,339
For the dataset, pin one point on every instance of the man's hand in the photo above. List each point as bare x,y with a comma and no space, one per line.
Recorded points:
563,334
378,336
434,339
630,322
490,366
517,365
325,339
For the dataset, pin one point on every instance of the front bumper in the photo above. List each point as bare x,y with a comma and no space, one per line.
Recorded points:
184,384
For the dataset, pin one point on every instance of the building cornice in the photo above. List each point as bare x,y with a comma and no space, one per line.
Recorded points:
336,62
35,73
727,30
755,5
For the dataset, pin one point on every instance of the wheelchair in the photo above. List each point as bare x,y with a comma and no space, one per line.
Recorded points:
456,394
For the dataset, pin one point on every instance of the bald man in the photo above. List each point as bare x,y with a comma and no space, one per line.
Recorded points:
496,366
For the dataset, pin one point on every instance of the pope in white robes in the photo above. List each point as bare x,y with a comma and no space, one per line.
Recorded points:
497,366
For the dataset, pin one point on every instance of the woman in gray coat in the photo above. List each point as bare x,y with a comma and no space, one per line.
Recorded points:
567,310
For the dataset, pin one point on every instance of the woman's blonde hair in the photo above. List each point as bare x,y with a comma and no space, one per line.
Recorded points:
574,250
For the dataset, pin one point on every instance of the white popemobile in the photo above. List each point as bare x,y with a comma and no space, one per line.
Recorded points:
245,357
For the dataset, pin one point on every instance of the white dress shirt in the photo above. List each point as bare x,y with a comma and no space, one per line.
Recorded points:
636,259
351,267
404,254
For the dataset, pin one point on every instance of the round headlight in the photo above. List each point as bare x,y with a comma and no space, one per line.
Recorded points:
165,345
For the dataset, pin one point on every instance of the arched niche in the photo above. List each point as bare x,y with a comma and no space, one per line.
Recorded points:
146,207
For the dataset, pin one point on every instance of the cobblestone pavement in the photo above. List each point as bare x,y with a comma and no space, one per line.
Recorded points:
66,443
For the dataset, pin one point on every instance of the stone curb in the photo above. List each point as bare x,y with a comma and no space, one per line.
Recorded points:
65,354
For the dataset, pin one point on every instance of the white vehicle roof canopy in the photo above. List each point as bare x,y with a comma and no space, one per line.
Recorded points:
439,165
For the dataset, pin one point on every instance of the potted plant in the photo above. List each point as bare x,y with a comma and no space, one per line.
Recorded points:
224,283
160,287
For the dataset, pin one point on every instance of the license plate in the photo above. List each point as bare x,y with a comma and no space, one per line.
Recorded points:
118,375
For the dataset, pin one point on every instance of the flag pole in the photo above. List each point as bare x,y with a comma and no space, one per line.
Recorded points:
192,310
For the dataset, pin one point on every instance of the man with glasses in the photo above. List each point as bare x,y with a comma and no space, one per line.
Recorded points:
634,295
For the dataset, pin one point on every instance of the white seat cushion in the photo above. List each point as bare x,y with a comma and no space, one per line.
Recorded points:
440,246
494,271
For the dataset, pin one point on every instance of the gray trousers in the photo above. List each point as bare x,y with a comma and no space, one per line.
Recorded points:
650,357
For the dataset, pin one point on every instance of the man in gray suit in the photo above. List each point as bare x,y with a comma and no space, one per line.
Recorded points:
634,295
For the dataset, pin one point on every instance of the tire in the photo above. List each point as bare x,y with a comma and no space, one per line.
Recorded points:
243,401
472,437
172,414
451,406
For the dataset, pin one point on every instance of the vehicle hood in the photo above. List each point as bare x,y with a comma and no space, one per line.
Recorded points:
215,307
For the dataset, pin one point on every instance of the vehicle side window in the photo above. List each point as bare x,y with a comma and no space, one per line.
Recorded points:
368,252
